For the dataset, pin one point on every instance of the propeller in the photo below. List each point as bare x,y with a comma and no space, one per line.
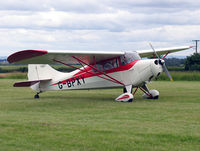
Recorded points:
162,62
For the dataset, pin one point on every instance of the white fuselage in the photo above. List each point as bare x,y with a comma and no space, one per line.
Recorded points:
136,74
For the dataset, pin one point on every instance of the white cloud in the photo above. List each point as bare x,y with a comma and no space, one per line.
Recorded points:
96,25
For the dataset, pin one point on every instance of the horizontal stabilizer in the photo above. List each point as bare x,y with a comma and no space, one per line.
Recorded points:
28,83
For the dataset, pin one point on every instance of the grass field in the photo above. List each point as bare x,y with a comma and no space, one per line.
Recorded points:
92,121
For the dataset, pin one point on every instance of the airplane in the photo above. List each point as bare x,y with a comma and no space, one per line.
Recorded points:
99,69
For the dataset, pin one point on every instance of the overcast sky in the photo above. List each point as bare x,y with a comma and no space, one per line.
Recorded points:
97,24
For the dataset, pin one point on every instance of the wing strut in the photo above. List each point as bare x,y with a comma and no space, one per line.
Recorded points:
165,55
116,81
85,70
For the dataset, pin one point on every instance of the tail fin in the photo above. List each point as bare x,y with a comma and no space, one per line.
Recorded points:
38,73
41,72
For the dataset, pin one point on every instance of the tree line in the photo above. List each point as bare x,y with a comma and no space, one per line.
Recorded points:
191,63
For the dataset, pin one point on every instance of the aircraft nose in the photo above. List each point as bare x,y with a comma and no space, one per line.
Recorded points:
159,62
156,67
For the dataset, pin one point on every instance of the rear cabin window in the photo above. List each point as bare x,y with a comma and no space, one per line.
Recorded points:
111,64
107,65
99,67
129,57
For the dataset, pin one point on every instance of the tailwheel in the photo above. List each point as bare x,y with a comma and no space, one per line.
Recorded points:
37,95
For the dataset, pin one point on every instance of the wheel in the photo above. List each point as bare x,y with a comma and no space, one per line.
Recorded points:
156,97
125,97
131,100
36,96
154,93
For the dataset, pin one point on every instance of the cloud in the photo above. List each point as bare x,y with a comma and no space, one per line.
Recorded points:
99,6
83,6
96,25
116,21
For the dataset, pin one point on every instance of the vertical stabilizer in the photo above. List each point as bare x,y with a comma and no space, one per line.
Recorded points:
41,72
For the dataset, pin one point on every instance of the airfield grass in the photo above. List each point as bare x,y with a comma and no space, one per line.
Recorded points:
92,121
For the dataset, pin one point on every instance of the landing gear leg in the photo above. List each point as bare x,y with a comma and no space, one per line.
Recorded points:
124,90
37,95
127,89
126,96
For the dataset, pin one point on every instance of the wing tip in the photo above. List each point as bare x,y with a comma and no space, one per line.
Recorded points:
25,54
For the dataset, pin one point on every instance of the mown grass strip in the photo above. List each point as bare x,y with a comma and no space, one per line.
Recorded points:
92,121
181,76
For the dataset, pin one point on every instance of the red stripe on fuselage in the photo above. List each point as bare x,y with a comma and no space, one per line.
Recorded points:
89,72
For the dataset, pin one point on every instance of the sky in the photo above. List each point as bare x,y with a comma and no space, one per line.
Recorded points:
115,25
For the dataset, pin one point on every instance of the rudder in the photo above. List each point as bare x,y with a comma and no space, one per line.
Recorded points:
41,72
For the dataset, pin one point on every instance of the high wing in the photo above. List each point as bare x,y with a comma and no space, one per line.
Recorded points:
161,51
64,56
68,56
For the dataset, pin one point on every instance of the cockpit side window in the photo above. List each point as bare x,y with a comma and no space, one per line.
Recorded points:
99,67
107,65
111,64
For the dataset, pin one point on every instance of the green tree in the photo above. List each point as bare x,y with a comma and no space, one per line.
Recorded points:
192,62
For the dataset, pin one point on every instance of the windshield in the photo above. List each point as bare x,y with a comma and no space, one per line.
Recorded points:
129,57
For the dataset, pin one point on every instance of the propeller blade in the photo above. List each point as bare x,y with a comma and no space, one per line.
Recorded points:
154,51
162,63
167,72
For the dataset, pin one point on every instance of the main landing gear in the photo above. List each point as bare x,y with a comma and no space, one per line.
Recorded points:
37,95
127,96
149,94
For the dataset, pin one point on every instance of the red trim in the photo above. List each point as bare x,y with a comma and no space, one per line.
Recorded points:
124,97
98,70
28,83
146,93
94,74
89,73
118,69
25,54
135,91
165,55
82,72
25,84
